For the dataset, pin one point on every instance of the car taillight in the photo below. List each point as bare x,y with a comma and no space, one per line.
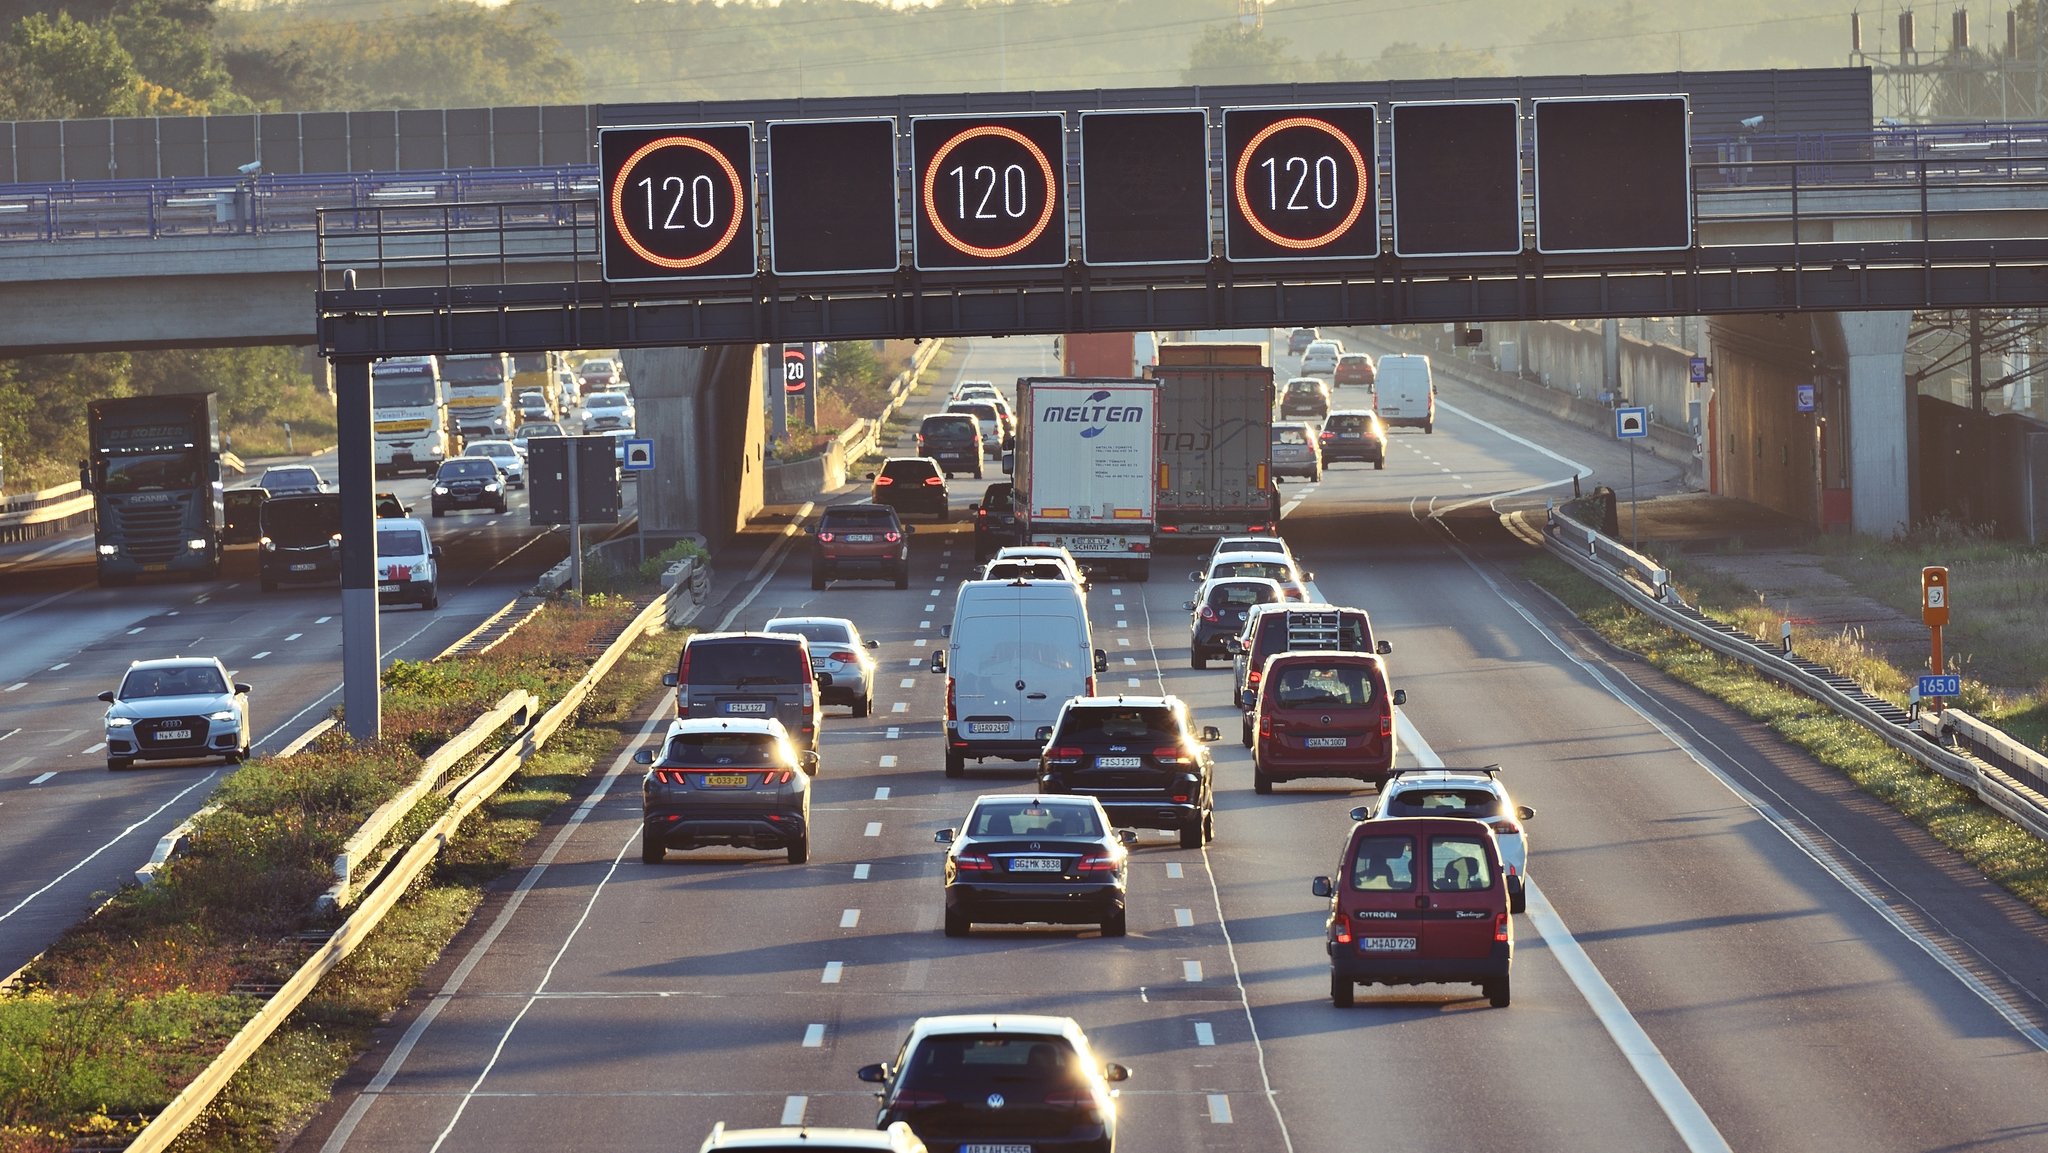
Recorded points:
1091,686
1507,827
826,537
1340,929
892,537
882,480
1067,751
973,863
1170,755
981,514
776,776
1098,863
916,1099
843,656
950,714
935,480
1182,795
1208,613
1387,724
670,777
1265,725
1068,1099
1329,436
1251,679
1500,927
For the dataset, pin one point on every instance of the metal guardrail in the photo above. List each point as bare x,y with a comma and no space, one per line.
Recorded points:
186,1107
1998,786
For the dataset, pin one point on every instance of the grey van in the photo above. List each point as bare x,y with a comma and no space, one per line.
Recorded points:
1015,652
758,675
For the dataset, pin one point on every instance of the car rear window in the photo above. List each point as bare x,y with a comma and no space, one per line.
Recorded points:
976,409
999,498
1353,360
1262,569
1241,594
1345,424
968,1068
1458,865
1024,818
901,469
720,750
1319,685
1120,724
1383,863
1301,386
958,424
754,662
1291,435
1443,802
813,630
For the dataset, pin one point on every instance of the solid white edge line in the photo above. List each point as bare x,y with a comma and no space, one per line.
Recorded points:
396,1061
116,839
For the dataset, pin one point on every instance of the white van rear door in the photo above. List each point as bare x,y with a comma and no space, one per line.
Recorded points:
1016,672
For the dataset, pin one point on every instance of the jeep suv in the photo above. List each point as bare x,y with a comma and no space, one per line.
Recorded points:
865,541
1140,757
912,484
759,675
954,440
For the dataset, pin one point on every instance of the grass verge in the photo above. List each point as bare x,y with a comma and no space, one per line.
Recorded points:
2003,851
127,1006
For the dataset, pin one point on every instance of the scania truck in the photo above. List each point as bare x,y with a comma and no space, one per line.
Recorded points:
154,472
1085,462
409,414
479,388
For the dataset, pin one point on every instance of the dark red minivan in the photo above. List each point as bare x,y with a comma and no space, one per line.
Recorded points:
1323,713
1419,901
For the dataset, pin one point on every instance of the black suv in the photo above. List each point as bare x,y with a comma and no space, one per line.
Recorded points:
469,482
913,484
1140,757
995,520
1306,396
954,440
1358,436
860,540
301,539
721,676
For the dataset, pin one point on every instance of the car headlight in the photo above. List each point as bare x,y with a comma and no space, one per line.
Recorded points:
440,490
268,544
223,715
492,487
109,550
195,544
334,541
120,722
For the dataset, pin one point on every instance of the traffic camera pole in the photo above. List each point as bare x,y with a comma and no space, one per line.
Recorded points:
361,644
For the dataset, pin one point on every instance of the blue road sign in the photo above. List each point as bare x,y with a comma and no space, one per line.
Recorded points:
1932,686
1806,397
1696,369
1632,422
639,455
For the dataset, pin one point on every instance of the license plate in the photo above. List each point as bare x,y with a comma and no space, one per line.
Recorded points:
860,537
156,568
1347,436
988,726
388,588
1118,762
995,1149
1324,743
1034,864
174,734
725,780
746,706
1081,544
1386,944
304,567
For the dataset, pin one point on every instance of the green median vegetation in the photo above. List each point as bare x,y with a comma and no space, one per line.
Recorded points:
2004,852
124,1009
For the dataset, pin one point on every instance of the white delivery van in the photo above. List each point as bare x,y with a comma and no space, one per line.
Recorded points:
1015,652
1405,392
407,560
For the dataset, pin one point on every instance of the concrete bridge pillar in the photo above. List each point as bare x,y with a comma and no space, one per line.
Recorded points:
1880,408
702,409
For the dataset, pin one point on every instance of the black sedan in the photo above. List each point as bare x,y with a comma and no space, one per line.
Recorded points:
1023,858
995,520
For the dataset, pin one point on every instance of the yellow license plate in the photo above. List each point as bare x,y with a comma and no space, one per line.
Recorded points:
725,780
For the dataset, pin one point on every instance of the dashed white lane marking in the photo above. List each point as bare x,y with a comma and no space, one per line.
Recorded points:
1205,1033
1455,476
914,662
930,608
1173,870
261,655
294,636
172,613
96,748
860,872
200,600
136,629
1219,1109
918,643
1184,917
893,733
1134,681
925,624
1123,624
945,564
899,707
814,1036
1124,641
41,779
793,1109
849,919
833,969
933,593
8,733
1191,970
60,665
882,792
322,620
1120,608
1130,660
17,686
1116,592
908,683
888,761
874,829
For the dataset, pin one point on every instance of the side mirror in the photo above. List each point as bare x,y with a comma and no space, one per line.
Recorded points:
1320,886
108,696
808,762
437,551
1383,648
871,476
643,756
241,689
1525,812
1195,576
974,508
668,680
872,644
1127,836
945,630
85,476
1400,696
938,664
824,680
1115,1072
1188,605
1101,661
873,1074
1211,734
944,836
1360,813
910,530
1308,576
1044,733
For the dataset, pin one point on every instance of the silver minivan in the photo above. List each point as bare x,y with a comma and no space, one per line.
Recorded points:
1015,652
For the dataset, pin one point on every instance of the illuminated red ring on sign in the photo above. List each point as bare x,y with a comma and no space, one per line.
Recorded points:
931,176
1244,203
732,176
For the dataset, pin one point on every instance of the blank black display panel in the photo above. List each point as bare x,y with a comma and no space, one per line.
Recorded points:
1457,177
832,196
1612,175
1145,187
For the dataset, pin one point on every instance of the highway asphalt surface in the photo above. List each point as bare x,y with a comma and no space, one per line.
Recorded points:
70,829
1726,948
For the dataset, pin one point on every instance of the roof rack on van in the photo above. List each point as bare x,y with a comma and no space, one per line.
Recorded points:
1313,629
1489,770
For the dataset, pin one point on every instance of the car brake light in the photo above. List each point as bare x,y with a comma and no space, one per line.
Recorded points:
882,480
1387,724
1208,613
1340,928
1329,436
843,656
826,537
1098,863
973,863
917,1099
1500,927
1091,686
670,777
981,514
1251,679
1265,725
938,480
1169,755
950,715
776,776
1169,528
1508,827
1066,751
892,537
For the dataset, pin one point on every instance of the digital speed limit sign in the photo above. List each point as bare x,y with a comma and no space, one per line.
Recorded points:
989,191
678,202
1301,183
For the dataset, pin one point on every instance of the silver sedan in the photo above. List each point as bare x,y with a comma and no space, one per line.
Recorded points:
838,651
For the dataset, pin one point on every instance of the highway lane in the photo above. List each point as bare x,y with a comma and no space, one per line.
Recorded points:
73,828
620,1005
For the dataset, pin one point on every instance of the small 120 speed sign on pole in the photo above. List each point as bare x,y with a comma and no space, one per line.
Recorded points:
678,202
